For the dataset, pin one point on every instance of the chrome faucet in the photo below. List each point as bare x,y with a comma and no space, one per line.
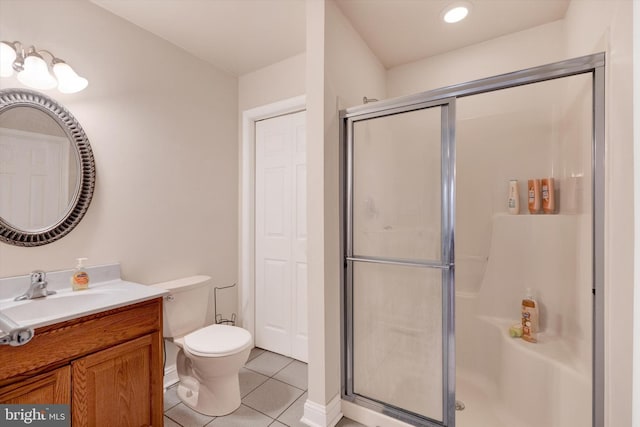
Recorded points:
38,287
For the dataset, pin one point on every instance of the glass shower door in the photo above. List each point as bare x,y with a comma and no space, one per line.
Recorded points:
399,259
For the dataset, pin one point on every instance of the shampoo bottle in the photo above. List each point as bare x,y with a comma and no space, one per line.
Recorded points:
529,317
80,277
533,195
548,196
513,202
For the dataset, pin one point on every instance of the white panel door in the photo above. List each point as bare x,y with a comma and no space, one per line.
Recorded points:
281,235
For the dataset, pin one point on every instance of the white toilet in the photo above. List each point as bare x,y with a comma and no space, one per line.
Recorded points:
209,357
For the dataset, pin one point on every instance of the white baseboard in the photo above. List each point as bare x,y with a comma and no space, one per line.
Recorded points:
170,376
316,415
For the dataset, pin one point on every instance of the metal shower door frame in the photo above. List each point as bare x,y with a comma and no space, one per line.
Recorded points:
446,98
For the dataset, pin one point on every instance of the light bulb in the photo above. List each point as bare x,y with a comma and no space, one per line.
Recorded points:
68,80
7,56
456,12
36,73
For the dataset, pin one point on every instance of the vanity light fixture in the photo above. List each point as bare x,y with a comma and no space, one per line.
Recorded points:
456,12
7,57
34,71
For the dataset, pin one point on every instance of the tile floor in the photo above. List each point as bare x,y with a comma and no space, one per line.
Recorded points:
273,390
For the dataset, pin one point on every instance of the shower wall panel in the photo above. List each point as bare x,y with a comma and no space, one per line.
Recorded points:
527,132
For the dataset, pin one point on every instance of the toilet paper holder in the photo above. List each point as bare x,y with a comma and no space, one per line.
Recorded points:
219,319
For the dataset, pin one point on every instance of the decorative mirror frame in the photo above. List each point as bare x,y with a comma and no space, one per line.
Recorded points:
11,98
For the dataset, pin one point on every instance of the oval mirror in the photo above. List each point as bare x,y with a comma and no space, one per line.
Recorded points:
47,170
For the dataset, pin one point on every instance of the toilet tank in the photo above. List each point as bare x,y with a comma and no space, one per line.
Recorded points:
185,308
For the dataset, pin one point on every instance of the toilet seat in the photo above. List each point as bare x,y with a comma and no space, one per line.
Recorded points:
217,341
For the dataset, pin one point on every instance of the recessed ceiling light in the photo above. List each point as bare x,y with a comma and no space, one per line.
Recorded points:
456,12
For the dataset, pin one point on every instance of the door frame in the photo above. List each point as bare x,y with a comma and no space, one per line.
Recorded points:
247,238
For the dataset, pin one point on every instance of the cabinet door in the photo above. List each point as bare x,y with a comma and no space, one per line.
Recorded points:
50,388
119,386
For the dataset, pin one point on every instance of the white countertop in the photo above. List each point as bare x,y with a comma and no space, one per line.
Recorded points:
106,291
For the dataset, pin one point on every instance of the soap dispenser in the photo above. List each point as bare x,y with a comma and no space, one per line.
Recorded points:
530,317
80,277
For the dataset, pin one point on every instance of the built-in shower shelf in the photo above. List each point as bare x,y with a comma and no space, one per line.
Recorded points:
550,348
541,216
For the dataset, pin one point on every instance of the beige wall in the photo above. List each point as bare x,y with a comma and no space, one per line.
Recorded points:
340,71
636,145
351,72
524,49
282,80
315,19
163,128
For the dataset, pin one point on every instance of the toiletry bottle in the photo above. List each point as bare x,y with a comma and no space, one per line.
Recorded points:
514,197
529,318
533,194
548,196
80,278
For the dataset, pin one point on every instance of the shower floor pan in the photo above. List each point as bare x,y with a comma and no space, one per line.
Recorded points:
481,408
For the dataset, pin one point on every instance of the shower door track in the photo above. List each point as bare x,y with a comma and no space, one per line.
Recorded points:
446,96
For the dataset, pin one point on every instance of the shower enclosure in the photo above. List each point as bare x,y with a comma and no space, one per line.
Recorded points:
435,269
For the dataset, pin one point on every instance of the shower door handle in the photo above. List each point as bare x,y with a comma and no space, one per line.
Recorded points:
402,262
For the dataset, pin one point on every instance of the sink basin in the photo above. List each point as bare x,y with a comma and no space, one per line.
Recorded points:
54,305
67,304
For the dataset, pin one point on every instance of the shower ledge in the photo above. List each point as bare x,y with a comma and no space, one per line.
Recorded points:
550,348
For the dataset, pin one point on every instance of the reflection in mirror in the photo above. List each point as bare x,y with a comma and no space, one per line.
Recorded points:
47,170
38,169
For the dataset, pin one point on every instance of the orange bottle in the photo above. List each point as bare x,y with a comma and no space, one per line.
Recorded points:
548,196
530,318
533,195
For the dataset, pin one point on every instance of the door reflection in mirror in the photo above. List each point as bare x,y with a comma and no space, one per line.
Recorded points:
38,169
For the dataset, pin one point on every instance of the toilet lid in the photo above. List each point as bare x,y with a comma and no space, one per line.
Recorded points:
217,340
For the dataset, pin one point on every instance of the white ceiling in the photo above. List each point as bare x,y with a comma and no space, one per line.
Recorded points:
402,31
240,36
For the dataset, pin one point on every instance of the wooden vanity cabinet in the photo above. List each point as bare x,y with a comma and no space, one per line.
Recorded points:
110,387
108,366
50,387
